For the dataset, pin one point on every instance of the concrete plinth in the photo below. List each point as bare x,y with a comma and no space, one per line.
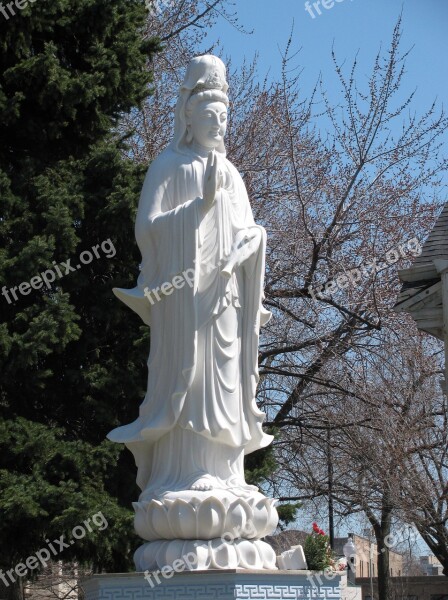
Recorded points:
215,585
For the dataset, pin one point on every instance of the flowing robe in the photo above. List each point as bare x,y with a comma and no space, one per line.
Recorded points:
202,368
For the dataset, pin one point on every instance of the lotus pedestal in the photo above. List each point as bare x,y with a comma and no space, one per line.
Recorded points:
214,530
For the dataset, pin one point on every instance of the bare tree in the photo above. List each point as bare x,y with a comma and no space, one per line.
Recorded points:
375,432
58,581
424,499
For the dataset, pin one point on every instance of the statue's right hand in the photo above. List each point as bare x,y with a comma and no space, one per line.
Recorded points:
212,180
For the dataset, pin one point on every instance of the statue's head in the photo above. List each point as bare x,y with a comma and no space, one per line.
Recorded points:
201,111
206,119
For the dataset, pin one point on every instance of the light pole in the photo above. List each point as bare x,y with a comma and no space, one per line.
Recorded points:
371,544
349,550
330,489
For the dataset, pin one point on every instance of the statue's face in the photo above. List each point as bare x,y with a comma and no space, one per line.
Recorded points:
209,123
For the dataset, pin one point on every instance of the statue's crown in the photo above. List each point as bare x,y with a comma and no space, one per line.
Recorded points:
213,82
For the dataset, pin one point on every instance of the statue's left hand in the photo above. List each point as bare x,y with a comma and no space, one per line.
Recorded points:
246,244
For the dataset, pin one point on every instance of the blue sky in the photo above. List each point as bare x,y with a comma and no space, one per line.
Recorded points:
352,25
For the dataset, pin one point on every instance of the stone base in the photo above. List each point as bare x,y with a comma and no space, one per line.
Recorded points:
199,555
214,585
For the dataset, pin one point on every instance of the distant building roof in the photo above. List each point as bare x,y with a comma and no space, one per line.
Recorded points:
421,293
436,244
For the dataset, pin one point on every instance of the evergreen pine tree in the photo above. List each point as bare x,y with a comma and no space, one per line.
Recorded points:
72,359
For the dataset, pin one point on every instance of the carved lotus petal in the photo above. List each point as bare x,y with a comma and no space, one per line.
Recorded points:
175,549
139,558
224,555
182,518
161,550
273,516
142,527
267,555
264,519
248,555
159,520
144,557
203,556
211,516
238,514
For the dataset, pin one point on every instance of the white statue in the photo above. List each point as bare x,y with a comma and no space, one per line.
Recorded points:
200,290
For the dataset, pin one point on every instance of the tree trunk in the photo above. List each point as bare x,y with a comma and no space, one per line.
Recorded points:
382,531
14,591
436,544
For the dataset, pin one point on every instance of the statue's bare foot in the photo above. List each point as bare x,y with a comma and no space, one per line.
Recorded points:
203,484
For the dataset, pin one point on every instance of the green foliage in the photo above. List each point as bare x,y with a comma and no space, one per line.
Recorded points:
317,550
48,486
73,361
287,513
260,466
69,69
